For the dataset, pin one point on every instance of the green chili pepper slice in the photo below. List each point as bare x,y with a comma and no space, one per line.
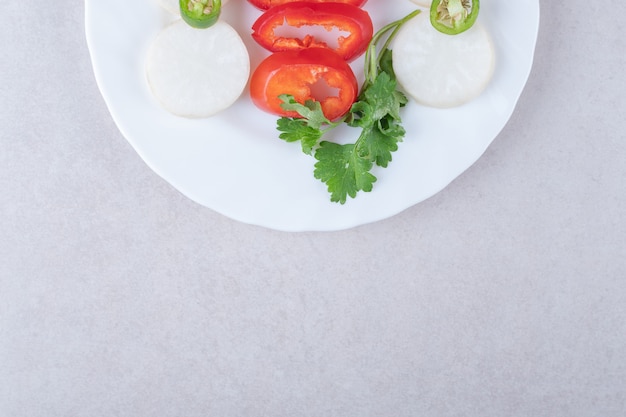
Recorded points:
200,14
453,16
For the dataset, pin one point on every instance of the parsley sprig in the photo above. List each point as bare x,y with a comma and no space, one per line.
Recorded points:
346,169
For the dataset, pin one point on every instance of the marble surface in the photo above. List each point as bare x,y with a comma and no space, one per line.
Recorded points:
503,295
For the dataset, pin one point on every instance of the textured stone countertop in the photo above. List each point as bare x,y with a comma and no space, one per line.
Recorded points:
502,295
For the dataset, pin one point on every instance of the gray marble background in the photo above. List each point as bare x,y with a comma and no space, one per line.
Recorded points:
503,295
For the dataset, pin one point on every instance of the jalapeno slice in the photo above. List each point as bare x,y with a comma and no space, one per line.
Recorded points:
200,14
453,16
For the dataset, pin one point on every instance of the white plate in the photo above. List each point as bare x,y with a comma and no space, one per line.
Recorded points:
235,164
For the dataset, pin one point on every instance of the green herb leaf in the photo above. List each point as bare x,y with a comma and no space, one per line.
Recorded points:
362,115
384,98
377,145
386,63
311,110
343,171
294,130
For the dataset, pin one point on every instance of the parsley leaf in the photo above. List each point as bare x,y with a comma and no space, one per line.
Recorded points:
376,145
294,130
307,129
311,111
345,169
386,62
383,97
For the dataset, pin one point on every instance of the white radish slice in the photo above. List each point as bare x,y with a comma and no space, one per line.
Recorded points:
197,72
440,70
173,7
423,3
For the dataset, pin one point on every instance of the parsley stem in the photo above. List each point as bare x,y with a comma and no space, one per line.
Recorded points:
346,169
372,60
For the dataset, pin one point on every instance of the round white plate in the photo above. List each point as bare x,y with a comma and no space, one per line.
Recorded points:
234,162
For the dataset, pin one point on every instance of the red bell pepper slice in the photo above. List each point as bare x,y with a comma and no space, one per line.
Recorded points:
266,4
345,18
298,73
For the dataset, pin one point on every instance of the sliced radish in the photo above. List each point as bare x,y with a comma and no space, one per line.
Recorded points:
442,70
197,72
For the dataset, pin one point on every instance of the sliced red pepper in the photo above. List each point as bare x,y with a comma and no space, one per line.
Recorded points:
266,4
345,18
297,73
